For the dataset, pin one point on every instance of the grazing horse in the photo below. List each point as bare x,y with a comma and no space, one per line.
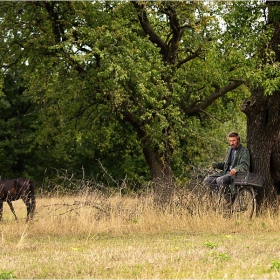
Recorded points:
14,189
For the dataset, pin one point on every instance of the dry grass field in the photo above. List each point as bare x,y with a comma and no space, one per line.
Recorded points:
89,235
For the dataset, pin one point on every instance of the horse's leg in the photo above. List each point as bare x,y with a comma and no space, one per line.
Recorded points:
32,200
12,208
1,210
26,201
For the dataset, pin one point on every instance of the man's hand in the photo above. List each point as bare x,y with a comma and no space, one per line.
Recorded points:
232,172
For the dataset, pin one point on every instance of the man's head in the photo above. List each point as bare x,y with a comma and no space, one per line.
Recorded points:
234,139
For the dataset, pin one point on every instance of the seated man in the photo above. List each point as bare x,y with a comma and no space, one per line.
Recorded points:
237,159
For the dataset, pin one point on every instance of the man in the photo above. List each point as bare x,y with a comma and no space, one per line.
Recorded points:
237,159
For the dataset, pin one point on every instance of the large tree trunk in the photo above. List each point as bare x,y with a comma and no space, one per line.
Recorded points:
275,164
161,173
263,130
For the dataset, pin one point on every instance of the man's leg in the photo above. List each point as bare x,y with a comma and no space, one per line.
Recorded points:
211,182
223,183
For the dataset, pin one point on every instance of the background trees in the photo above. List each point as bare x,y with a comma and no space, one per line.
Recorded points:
18,124
146,87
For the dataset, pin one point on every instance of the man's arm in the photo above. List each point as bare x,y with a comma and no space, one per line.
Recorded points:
221,165
218,165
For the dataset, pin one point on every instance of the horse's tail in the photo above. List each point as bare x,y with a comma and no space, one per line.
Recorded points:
32,196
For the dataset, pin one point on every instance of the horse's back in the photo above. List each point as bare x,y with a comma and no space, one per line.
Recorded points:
24,184
16,188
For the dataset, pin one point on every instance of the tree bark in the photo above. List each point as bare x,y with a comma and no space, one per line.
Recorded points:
275,165
161,172
263,120
263,130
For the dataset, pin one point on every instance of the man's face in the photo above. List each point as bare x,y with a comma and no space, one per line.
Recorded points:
234,143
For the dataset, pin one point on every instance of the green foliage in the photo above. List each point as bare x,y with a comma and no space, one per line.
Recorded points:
101,89
18,123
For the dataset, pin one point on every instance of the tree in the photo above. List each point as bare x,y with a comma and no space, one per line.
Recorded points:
18,123
149,65
262,108
177,39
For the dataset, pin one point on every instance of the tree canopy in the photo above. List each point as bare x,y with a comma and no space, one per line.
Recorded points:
144,87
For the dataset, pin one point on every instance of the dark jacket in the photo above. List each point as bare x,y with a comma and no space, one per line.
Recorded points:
241,160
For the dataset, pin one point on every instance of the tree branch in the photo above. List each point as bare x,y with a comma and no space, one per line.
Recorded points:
146,26
218,92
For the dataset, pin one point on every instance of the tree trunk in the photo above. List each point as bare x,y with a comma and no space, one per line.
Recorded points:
263,130
161,173
275,164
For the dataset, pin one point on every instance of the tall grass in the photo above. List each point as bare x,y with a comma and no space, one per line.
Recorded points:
97,234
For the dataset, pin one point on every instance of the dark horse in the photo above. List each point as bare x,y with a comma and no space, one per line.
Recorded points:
14,189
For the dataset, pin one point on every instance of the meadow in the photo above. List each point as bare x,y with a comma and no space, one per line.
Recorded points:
92,235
